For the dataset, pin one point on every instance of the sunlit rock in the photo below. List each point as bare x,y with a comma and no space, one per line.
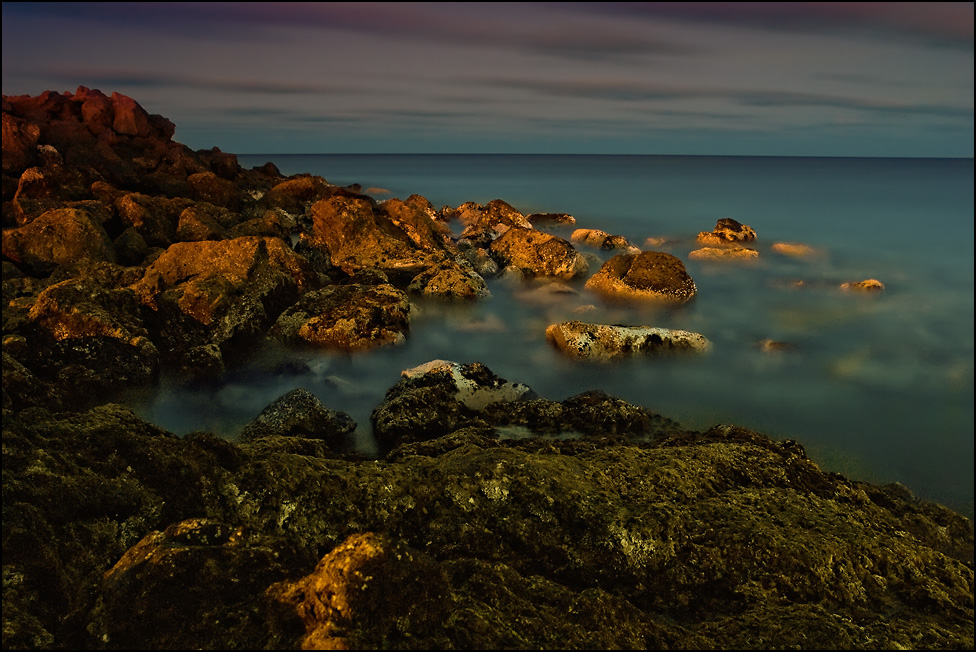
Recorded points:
62,236
601,342
454,279
346,317
537,253
650,275
794,250
483,224
727,232
365,592
868,285
602,240
724,254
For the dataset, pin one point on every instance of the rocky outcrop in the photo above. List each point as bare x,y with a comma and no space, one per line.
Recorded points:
602,342
720,539
650,275
58,237
727,232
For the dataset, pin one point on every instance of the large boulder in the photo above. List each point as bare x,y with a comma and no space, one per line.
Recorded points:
536,253
204,298
63,236
602,342
649,275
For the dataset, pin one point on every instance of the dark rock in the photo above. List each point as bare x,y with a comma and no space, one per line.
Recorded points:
300,414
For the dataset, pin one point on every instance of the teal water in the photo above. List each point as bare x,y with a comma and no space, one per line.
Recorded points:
879,387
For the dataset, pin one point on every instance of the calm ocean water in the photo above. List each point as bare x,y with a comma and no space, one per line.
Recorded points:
879,387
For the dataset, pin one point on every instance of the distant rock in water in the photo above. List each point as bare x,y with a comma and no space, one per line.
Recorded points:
868,285
536,253
602,240
601,342
650,275
537,219
723,254
794,250
727,232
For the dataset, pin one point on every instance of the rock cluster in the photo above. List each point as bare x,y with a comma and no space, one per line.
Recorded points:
493,517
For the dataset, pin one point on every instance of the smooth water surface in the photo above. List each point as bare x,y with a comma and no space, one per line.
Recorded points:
879,387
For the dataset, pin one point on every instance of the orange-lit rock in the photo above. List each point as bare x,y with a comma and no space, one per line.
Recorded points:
650,275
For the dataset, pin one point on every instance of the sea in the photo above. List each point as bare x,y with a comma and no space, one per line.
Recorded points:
877,386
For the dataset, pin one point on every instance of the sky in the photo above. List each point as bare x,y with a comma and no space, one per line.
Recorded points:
668,78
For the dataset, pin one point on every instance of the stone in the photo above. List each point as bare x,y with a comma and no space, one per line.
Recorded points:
649,275
602,240
794,250
867,285
602,342
454,279
346,318
299,413
536,253
727,232
721,254
63,236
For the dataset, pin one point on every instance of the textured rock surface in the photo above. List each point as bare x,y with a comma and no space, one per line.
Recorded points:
495,519
724,254
602,342
536,253
727,232
650,275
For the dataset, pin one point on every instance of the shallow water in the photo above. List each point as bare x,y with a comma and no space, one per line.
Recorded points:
879,387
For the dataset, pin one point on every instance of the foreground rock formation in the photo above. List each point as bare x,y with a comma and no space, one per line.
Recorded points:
493,517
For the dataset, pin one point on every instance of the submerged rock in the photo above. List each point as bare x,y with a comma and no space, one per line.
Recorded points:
869,285
602,342
724,254
650,275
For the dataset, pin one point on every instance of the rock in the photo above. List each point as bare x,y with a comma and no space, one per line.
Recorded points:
535,253
453,280
300,414
602,240
727,232
416,218
483,224
724,254
868,285
437,397
365,592
358,237
346,317
58,237
601,342
649,275
794,250
545,219
225,293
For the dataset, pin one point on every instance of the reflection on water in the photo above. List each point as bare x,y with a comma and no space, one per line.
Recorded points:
876,386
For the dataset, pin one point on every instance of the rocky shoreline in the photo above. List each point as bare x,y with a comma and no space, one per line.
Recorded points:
493,517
